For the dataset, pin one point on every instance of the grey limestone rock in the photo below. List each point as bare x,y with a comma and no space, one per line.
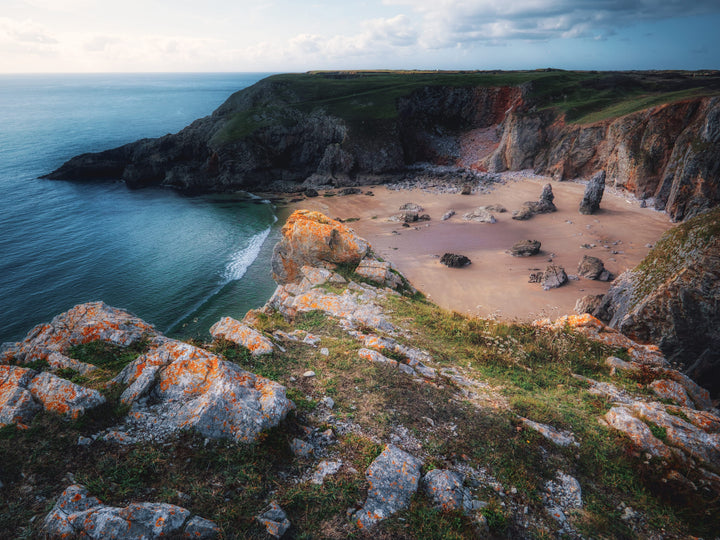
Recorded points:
77,514
554,277
274,519
481,214
543,206
588,303
593,194
393,478
445,489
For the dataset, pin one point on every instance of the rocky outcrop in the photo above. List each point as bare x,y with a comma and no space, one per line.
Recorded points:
77,514
393,478
672,298
173,386
593,194
312,239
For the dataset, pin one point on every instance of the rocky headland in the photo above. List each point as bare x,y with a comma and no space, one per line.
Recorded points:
655,134
349,405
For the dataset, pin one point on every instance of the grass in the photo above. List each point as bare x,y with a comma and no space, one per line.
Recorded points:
528,372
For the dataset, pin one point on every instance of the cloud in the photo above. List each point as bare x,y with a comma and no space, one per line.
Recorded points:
450,22
25,33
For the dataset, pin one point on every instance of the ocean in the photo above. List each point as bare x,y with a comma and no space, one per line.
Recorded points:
178,262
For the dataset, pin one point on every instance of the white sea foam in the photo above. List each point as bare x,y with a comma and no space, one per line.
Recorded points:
242,259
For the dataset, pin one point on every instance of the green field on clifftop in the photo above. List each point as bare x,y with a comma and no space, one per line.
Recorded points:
355,96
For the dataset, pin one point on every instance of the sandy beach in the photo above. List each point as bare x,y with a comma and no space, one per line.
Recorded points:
496,283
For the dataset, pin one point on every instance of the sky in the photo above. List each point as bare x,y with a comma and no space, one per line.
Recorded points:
70,36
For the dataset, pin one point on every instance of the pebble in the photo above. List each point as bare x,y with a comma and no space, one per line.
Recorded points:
325,351
309,374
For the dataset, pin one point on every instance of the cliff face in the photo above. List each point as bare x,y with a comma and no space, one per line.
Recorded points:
672,298
280,133
668,154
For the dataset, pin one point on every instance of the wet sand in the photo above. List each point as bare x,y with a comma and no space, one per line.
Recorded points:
496,283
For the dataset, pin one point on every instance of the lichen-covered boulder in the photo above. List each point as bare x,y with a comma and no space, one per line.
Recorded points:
195,389
17,405
311,238
445,489
393,478
274,519
62,396
242,334
95,321
77,514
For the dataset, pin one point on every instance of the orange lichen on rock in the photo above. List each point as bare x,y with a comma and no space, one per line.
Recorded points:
311,238
242,334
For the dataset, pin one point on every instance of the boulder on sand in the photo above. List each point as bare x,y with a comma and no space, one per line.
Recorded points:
593,268
454,261
543,206
593,194
554,277
525,248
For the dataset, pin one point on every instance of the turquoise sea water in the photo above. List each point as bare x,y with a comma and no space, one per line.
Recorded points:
178,262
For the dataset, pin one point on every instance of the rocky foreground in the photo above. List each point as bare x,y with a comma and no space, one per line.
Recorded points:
349,405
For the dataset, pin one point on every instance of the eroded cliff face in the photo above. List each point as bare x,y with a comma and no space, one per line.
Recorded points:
667,154
672,298
266,138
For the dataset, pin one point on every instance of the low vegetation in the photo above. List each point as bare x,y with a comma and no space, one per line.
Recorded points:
524,371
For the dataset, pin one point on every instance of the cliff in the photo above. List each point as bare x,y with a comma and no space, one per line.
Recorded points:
349,405
672,298
656,134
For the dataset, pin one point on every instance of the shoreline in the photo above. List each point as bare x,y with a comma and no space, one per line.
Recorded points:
496,284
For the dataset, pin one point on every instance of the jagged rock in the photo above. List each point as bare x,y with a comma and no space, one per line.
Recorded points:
393,479
350,191
62,396
411,207
82,324
499,208
672,390
593,268
561,438
525,248
453,260
374,356
447,215
17,405
445,489
311,192
481,215
310,238
593,194
543,206
617,364
77,514
587,303
561,495
59,361
554,277
274,519
232,330
195,389
300,448
466,189
354,307
379,272
324,469
672,298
